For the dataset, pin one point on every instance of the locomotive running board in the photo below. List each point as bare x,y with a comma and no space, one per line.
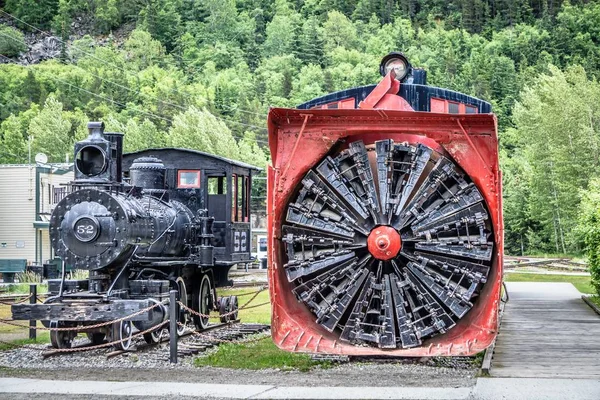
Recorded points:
83,311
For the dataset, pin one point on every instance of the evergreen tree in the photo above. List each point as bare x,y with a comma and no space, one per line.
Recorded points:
38,13
161,19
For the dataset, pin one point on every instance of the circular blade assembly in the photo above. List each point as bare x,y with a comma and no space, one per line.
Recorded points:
387,244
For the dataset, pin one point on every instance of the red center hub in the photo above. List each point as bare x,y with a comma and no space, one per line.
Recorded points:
384,243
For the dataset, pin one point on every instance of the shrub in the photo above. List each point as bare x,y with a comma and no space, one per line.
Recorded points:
12,41
80,274
589,228
29,277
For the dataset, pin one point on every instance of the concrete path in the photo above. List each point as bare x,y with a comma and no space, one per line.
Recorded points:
547,332
485,389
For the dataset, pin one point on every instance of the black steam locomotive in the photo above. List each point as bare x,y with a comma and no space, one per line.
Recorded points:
143,224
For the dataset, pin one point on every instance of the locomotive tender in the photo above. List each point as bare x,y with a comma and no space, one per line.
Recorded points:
143,224
385,220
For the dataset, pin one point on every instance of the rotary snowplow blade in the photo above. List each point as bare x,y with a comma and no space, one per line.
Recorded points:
385,232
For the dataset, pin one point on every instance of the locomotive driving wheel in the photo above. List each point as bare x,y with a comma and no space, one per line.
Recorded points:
203,302
224,308
183,298
387,244
153,337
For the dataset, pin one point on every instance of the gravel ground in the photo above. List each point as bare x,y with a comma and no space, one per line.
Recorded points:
148,364
151,364
351,374
148,357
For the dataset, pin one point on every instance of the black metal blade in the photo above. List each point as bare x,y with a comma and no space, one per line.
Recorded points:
441,184
407,332
295,269
330,172
477,271
454,303
446,244
354,165
462,205
458,247
371,319
399,167
318,207
329,294
430,310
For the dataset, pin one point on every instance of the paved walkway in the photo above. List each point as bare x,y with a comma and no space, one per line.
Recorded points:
485,389
547,332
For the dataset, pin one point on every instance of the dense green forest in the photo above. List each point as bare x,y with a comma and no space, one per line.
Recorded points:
204,73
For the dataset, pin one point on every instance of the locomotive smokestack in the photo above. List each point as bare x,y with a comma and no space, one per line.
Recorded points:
96,130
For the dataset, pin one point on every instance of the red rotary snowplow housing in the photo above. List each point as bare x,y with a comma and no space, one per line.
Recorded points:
300,139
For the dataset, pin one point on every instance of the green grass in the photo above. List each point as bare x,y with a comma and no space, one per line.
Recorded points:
595,299
258,355
260,315
23,288
42,337
582,283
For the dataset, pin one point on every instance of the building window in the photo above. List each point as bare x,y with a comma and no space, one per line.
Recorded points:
188,179
262,244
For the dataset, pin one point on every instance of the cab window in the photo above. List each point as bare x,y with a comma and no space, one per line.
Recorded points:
240,199
188,179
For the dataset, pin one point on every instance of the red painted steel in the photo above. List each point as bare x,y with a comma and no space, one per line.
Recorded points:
384,96
299,139
384,243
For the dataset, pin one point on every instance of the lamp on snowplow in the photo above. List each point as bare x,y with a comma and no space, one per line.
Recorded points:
395,61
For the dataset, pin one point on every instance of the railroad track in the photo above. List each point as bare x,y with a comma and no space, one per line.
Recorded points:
164,338
190,342
247,284
231,333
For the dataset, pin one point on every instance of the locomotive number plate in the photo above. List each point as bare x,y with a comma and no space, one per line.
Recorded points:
86,229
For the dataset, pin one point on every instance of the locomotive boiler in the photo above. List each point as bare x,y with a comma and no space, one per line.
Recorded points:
142,226
385,220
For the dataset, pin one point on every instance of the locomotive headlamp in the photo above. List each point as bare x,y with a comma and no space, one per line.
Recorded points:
91,161
397,62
